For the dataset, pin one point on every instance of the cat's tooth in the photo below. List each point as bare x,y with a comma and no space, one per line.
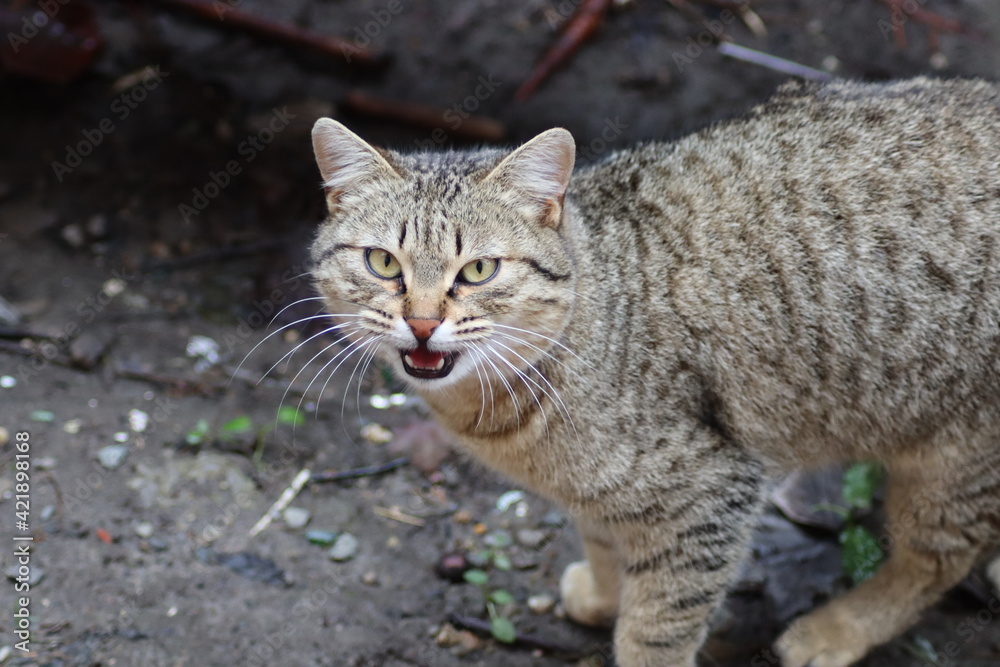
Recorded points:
409,360
439,365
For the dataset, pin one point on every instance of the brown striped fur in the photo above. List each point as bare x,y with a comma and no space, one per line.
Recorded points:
816,282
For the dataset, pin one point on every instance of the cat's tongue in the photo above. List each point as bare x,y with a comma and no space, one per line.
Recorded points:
424,358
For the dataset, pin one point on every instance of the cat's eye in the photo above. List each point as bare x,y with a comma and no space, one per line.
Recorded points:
382,263
478,271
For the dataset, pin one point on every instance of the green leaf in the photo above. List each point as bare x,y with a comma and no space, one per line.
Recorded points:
500,596
503,630
860,554
41,416
861,481
290,415
499,539
197,435
501,561
476,577
236,427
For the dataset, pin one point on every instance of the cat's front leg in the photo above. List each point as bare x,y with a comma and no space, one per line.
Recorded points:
677,557
591,588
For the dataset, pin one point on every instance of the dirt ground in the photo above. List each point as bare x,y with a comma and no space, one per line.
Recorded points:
150,463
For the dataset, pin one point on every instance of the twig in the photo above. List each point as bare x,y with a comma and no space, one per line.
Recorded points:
17,348
283,501
211,256
397,515
772,62
225,15
181,385
482,627
585,21
473,128
367,471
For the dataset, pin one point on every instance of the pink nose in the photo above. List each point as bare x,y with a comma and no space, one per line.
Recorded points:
423,328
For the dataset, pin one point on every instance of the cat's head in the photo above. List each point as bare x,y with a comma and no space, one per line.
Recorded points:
451,264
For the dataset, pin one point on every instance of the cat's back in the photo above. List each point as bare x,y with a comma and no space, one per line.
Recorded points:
833,256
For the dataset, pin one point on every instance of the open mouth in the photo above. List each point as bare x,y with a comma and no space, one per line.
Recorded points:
425,363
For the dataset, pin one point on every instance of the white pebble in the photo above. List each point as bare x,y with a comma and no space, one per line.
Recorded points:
541,604
7,381
296,517
112,456
138,420
345,548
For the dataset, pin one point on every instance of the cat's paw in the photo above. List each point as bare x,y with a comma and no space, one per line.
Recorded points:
822,639
581,600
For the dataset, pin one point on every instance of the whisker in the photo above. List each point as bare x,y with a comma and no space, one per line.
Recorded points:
542,351
353,347
254,348
524,380
510,390
370,354
288,355
548,338
482,387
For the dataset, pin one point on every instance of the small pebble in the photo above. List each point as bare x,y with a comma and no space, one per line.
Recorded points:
45,463
345,548
369,579
553,519
43,416
72,426
479,529
447,636
112,456
7,381
509,498
158,544
121,436
35,576
323,538
541,604
4,653
531,538
469,642
462,517
4,436
296,517
48,512
144,529
138,420
393,542
376,434
452,566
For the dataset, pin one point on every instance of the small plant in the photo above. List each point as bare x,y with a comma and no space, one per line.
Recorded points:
860,554
501,627
241,428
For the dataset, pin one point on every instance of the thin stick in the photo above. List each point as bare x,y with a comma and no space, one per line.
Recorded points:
396,515
283,501
472,128
378,469
772,62
482,627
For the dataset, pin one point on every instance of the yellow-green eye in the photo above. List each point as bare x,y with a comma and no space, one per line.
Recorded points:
382,263
478,271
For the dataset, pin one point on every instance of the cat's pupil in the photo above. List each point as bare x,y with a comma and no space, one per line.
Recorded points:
479,266
387,260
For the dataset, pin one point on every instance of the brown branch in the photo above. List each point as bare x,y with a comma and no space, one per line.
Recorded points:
226,16
337,475
472,128
581,26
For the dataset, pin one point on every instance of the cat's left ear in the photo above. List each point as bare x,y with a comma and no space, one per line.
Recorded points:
345,160
540,171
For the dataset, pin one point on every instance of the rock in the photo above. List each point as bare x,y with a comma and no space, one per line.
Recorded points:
462,517
34,577
45,463
4,436
553,519
144,529
158,544
369,579
448,636
112,456
87,349
344,549
296,517
323,538
541,604
531,538
452,566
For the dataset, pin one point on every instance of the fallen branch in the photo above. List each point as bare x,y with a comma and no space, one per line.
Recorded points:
482,627
471,128
581,26
772,62
283,501
182,386
367,471
224,15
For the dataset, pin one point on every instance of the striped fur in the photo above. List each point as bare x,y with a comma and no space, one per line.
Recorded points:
815,282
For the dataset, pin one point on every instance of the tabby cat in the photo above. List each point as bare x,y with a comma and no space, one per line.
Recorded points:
644,340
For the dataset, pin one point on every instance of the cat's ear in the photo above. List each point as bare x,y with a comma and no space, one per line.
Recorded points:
540,171
345,160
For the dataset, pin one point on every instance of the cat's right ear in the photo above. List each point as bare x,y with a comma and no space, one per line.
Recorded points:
345,160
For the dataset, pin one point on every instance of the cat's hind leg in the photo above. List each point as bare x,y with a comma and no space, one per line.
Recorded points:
942,516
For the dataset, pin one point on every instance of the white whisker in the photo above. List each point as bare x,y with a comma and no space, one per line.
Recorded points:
548,338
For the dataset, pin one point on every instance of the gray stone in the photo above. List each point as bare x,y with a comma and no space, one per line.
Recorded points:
345,548
112,456
296,517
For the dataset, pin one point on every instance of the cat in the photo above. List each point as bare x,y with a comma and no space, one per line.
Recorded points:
648,339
